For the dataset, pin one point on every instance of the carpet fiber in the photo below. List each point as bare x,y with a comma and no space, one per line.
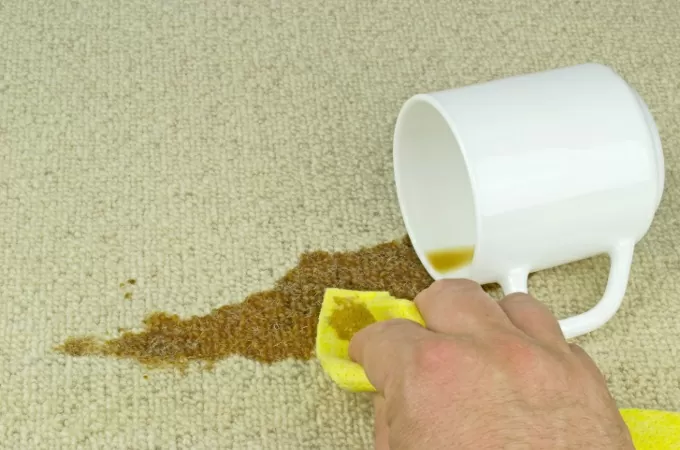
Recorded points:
199,146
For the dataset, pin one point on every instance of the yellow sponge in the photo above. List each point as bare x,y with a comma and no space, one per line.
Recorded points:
342,314
345,312
652,429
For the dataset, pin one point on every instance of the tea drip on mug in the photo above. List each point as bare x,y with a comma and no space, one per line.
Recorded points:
449,259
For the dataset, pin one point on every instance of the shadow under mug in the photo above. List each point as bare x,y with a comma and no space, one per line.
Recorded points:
531,172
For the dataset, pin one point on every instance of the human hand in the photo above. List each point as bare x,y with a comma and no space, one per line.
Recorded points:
484,375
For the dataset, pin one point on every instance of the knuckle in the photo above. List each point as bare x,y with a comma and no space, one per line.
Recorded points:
433,354
522,355
448,287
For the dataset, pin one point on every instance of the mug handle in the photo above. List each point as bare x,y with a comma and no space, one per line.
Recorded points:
621,259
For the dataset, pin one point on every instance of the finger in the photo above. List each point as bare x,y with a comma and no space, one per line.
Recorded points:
380,349
455,306
533,318
380,424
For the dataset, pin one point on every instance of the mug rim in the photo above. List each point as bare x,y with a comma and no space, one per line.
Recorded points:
431,101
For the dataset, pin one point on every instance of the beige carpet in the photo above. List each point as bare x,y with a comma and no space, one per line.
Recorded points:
199,146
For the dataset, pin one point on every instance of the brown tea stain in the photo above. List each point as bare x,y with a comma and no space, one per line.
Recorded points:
446,260
270,325
349,318
81,346
127,295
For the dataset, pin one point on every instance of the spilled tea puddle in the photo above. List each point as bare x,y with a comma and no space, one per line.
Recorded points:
270,325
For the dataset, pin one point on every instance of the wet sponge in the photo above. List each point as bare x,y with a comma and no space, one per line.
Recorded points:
343,313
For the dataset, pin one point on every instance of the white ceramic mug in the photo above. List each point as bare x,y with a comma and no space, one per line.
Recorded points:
534,171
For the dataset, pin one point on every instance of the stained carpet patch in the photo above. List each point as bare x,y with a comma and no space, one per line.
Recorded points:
270,325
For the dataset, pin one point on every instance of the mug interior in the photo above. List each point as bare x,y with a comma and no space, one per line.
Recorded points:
434,189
